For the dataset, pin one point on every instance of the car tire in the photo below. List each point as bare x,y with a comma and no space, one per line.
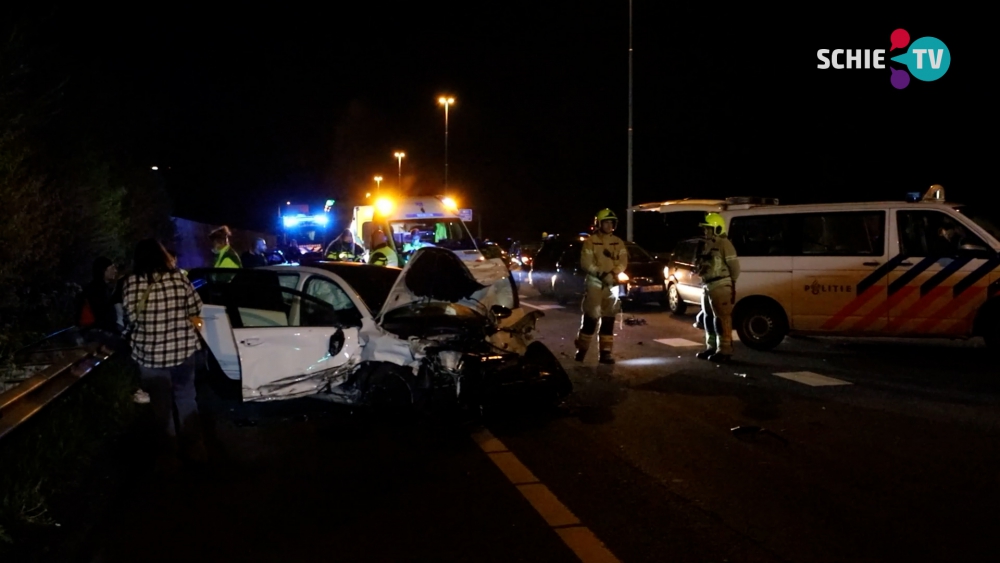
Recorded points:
675,303
761,325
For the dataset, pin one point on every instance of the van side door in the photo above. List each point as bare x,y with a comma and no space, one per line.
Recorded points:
840,269
942,283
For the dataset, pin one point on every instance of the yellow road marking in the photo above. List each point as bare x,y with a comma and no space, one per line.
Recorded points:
577,537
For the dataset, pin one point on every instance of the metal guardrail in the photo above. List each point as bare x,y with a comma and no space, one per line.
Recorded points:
55,364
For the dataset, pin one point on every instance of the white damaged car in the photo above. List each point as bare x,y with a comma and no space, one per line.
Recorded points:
439,331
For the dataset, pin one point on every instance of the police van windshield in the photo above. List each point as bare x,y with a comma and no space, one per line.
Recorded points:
411,234
990,222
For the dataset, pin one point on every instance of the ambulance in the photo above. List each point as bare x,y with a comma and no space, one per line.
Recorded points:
921,267
415,222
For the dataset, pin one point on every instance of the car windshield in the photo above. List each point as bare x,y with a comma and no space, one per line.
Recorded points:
412,234
637,254
982,216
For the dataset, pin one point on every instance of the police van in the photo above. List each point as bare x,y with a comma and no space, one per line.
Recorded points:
922,267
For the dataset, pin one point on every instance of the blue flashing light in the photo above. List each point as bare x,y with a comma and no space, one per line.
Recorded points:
290,221
320,219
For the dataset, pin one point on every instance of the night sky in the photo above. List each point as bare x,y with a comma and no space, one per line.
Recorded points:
250,108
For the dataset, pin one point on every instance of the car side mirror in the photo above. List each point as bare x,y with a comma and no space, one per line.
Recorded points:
501,312
975,251
336,342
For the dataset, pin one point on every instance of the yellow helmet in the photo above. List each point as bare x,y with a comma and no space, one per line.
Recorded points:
715,221
605,215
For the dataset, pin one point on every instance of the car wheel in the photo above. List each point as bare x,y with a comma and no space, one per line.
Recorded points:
761,325
676,305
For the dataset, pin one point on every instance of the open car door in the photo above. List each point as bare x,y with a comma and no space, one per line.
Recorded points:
277,342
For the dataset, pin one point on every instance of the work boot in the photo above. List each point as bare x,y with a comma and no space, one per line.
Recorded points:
705,354
606,342
582,345
720,358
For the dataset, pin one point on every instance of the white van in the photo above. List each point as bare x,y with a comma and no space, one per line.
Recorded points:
434,220
922,267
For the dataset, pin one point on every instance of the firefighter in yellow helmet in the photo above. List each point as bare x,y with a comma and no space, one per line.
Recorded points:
718,267
603,258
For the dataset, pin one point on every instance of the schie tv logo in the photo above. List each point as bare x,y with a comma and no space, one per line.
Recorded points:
927,58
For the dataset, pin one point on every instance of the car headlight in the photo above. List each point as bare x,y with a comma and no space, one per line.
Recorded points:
666,272
623,277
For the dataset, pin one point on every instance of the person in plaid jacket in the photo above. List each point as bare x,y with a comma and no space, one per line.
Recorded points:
163,314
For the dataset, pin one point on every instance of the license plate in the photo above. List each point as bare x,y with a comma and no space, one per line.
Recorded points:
646,288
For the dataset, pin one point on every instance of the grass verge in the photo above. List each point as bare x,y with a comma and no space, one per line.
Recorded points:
49,453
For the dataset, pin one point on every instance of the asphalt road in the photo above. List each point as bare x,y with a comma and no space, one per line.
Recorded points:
884,450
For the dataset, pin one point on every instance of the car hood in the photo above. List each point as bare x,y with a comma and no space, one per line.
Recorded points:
438,275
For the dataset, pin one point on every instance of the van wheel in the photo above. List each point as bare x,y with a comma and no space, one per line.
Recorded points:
761,325
676,305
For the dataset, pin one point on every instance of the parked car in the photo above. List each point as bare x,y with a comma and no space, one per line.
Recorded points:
370,335
683,283
521,255
545,263
641,282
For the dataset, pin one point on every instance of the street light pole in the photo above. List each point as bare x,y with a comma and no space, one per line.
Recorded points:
446,102
399,182
629,214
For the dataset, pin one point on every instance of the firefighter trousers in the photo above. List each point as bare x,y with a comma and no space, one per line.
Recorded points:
717,303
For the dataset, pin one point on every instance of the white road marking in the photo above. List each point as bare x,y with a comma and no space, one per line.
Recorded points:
567,526
678,342
543,307
812,379
736,336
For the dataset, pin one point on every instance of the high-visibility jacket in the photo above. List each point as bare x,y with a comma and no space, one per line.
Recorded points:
227,258
603,254
717,262
384,255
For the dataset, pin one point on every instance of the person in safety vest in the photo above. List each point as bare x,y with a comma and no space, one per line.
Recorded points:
343,248
225,256
382,253
603,258
718,267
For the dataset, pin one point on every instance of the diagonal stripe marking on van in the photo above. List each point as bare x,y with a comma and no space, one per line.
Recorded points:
944,274
924,302
971,279
851,307
882,310
943,313
911,274
866,291
880,273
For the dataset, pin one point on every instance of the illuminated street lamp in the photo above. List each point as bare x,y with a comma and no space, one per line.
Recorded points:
446,102
399,156
378,185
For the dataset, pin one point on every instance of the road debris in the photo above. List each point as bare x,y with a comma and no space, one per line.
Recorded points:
634,321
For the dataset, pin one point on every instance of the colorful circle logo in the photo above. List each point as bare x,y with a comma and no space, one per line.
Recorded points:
927,59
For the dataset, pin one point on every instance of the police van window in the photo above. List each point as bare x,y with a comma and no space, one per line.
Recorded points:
852,233
932,233
331,293
763,235
984,216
